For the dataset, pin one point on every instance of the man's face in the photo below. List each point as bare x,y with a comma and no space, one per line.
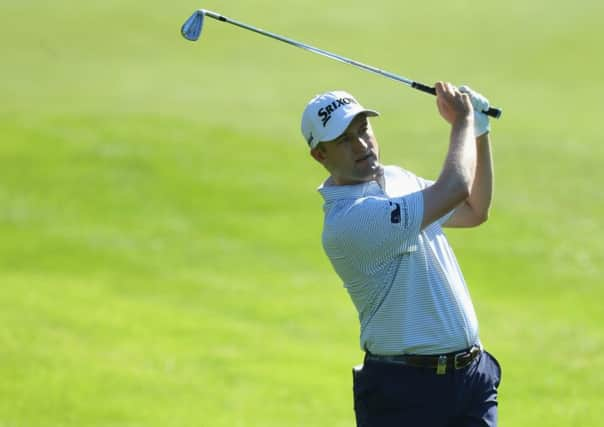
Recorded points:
353,157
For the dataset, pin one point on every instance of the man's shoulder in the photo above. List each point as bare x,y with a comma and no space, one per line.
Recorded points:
349,208
398,172
400,182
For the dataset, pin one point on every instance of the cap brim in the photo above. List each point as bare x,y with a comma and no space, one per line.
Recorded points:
339,129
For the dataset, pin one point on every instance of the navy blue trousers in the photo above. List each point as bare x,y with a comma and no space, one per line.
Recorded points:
394,395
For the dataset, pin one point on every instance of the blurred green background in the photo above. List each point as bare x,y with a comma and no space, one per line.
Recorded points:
160,257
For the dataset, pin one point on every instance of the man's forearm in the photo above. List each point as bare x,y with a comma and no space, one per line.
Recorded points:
481,193
460,164
454,183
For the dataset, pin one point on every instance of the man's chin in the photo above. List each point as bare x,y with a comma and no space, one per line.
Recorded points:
368,175
371,169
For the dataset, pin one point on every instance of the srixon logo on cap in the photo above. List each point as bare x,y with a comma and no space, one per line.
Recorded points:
325,112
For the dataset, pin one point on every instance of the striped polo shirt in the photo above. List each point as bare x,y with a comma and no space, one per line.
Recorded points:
405,282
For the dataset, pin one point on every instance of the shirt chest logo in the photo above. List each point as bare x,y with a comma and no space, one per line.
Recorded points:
395,214
399,213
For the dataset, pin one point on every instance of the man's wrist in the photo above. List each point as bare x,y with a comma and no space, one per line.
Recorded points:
483,138
464,121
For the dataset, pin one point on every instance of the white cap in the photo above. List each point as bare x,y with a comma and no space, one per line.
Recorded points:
328,115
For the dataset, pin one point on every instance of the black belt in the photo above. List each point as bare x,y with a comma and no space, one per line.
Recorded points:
441,363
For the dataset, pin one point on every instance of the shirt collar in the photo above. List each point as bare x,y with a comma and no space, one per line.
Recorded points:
337,192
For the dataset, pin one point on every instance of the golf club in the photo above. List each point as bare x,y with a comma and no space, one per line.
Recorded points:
192,27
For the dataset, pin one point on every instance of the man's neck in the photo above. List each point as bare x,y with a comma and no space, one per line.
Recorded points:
335,181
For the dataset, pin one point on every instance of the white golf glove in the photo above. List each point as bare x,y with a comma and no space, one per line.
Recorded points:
480,104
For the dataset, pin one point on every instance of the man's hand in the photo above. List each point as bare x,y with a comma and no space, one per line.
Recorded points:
453,105
480,104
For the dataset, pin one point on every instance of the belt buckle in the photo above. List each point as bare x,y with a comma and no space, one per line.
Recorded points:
470,355
456,362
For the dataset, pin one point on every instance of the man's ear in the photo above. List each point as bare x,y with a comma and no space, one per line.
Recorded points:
318,153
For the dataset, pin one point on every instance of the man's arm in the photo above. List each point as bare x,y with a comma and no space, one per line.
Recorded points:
475,209
455,181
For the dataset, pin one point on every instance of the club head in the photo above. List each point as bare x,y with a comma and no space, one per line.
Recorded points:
191,29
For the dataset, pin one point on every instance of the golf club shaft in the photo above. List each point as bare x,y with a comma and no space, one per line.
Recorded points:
493,112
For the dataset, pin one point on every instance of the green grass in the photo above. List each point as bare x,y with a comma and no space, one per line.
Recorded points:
160,258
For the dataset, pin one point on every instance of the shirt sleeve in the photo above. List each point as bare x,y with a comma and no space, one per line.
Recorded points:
377,227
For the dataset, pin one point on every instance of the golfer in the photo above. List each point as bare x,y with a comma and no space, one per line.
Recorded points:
424,362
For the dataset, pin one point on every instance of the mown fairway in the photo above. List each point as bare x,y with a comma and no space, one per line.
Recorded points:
160,258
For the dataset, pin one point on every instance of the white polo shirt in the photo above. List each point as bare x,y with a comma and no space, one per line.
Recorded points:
405,283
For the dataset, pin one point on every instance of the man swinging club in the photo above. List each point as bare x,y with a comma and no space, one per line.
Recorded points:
424,363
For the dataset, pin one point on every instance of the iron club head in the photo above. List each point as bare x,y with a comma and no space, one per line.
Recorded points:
191,29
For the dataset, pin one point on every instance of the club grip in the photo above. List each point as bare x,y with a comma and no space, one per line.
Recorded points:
423,88
493,111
